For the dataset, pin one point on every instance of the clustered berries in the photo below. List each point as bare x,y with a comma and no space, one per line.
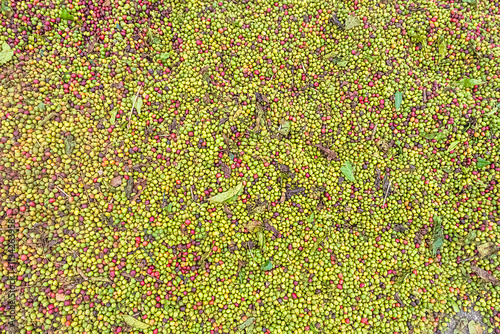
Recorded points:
254,166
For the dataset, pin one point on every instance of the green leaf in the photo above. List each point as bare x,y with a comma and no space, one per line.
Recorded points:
232,199
133,322
317,243
65,15
247,323
482,163
240,276
348,170
429,135
235,197
205,256
471,236
5,6
469,83
416,38
284,128
262,241
493,110
310,219
118,36
164,56
398,99
371,59
169,207
454,305
330,55
442,50
6,53
475,328
48,118
461,326
438,237
342,63
138,104
129,186
435,135
69,144
453,145
351,22
113,115
222,197
267,266
470,1
441,135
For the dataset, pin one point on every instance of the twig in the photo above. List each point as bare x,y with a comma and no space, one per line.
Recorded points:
133,105
466,260
39,145
387,193
62,191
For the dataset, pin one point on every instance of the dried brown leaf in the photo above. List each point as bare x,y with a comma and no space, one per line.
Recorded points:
384,146
204,69
474,328
487,249
137,191
81,273
485,275
252,225
226,210
225,169
124,274
116,181
329,154
206,99
398,299
399,228
241,264
283,196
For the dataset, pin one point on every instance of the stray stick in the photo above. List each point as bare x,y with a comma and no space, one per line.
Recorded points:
62,191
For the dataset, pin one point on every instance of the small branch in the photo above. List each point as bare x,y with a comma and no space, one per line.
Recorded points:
62,191
303,68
